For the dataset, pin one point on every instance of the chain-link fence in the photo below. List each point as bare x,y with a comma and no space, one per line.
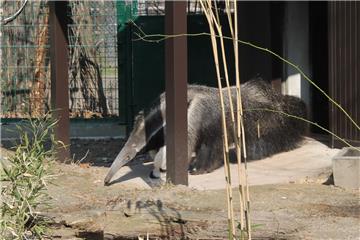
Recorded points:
25,60
93,56
93,59
25,65
157,7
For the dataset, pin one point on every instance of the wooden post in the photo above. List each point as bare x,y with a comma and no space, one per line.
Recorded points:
59,74
176,92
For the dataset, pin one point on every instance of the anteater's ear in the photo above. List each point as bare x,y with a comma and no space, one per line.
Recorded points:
140,114
139,117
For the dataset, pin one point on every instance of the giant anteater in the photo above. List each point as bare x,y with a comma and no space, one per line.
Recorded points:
267,132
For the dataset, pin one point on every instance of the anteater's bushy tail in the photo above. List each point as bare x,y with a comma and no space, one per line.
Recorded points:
275,125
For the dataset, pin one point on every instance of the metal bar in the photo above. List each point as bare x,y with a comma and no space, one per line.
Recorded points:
176,92
59,74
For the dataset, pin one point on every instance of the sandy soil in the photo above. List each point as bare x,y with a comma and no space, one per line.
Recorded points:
296,205
308,163
85,209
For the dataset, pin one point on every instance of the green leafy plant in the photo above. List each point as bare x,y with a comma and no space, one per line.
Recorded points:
24,179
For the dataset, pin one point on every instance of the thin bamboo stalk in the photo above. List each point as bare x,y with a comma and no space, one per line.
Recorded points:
228,194
216,21
241,189
247,207
222,46
208,13
236,130
240,124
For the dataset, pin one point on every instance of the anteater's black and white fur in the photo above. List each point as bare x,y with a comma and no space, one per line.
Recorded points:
266,132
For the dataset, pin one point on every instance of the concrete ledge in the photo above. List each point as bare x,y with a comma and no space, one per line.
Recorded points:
78,129
346,168
311,162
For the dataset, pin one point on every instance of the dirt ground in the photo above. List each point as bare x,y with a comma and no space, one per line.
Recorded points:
85,209
99,152
82,208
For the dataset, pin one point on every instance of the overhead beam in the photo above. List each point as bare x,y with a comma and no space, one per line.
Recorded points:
176,92
59,74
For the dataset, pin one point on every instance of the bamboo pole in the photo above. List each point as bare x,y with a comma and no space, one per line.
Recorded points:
206,5
234,34
223,55
239,129
243,187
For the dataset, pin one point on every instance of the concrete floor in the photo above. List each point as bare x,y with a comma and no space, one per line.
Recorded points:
306,163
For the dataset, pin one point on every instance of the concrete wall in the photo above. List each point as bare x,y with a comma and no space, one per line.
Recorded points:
78,129
296,39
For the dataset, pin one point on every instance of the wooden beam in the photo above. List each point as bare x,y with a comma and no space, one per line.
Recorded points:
176,92
59,74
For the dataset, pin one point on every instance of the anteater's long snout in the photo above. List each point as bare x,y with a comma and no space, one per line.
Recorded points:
133,145
119,161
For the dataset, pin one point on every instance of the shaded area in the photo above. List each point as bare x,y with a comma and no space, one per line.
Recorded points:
99,152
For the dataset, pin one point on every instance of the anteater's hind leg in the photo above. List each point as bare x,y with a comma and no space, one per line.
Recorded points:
208,158
194,129
160,160
202,155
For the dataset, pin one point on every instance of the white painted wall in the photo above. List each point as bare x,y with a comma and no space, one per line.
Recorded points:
297,50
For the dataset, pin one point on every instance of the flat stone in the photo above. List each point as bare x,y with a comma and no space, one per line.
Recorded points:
346,168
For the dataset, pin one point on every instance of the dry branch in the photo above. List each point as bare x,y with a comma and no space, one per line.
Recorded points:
14,16
37,93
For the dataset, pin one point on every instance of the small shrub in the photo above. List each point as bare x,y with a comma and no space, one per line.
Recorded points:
24,181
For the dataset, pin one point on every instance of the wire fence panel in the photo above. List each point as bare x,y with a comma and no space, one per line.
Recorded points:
157,7
25,61
25,65
93,56
93,59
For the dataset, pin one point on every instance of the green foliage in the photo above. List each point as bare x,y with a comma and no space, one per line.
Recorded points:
24,182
